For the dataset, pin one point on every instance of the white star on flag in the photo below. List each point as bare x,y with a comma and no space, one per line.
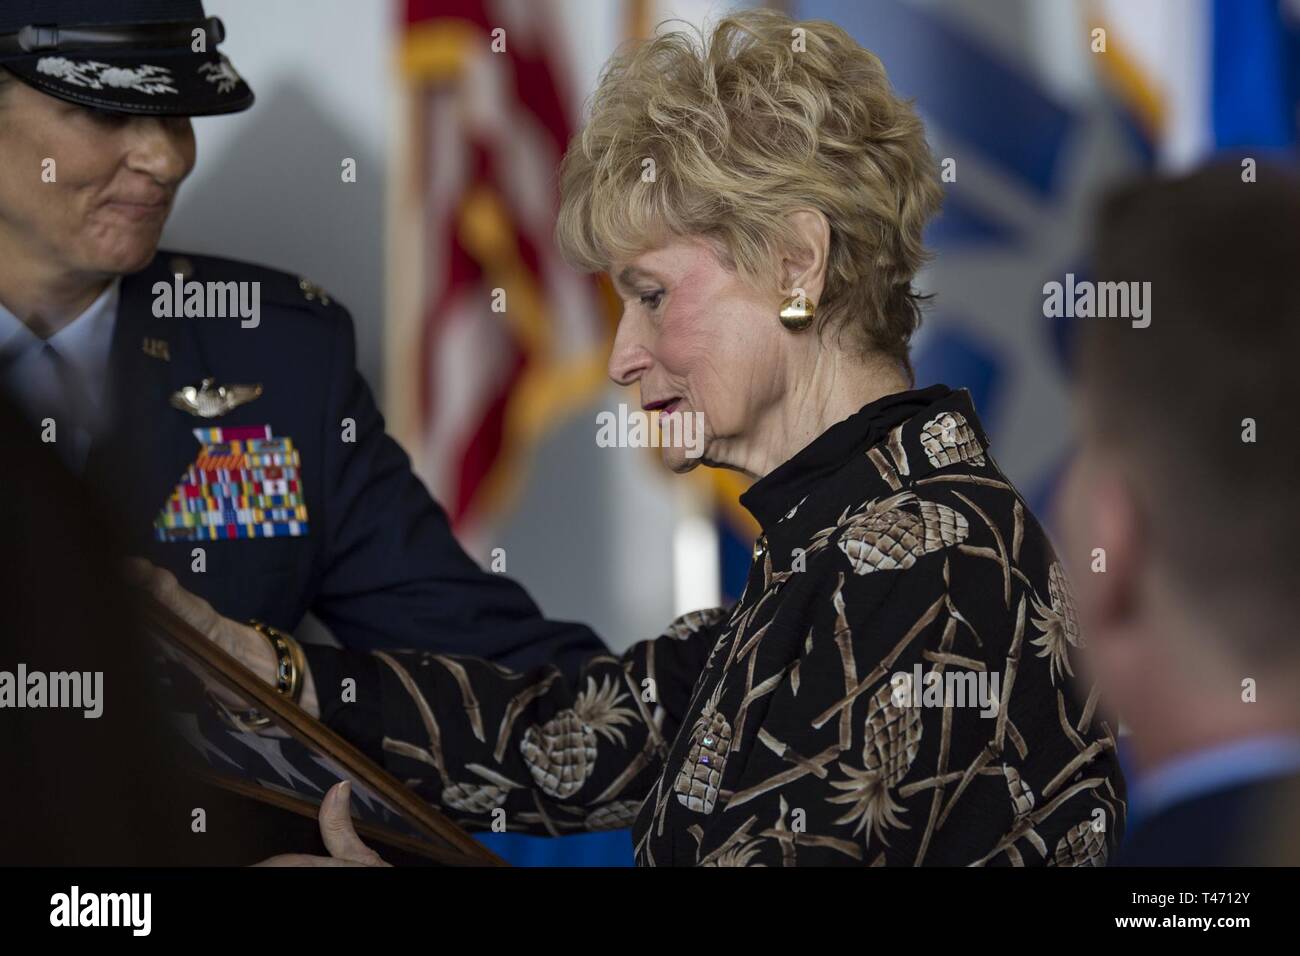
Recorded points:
269,750
188,726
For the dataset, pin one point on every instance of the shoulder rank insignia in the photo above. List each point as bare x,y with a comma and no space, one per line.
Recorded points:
244,483
312,292
211,400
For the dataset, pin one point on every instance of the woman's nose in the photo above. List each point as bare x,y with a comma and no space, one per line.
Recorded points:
629,358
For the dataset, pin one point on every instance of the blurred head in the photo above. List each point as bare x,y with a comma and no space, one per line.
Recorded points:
100,208
1199,525
715,177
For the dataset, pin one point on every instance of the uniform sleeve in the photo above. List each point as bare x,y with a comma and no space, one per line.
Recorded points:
528,749
392,574
864,758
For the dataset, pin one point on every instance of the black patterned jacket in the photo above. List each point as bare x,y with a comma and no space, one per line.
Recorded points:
895,686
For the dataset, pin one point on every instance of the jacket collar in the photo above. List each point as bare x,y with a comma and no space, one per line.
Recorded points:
874,454
903,435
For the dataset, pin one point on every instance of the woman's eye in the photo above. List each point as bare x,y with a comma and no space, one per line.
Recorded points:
651,300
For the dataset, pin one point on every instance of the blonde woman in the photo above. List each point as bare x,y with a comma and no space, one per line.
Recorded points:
897,683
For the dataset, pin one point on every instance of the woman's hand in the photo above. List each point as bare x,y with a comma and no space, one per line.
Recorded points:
254,652
238,640
345,847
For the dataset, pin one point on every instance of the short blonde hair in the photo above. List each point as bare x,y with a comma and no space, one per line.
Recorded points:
743,129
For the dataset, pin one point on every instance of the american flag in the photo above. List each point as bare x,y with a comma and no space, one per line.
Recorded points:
492,339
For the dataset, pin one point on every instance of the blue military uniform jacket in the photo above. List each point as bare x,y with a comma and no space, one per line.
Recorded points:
368,550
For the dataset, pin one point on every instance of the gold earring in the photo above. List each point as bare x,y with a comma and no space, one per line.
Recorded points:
797,312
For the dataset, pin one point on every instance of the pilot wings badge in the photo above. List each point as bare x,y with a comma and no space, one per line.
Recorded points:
211,400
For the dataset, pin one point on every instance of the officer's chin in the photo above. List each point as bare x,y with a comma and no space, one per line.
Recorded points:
127,253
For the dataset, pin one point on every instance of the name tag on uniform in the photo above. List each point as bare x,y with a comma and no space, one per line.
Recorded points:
245,483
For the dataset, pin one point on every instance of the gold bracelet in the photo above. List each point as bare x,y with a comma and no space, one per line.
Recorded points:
289,668
290,661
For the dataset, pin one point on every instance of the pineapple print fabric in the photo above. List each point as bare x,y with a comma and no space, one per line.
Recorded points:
896,685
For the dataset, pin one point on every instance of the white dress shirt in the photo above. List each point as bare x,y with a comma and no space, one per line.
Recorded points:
64,377
1227,765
